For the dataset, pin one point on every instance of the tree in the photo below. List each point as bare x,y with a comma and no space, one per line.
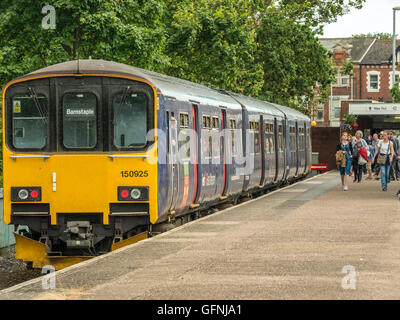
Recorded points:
126,31
293,61
378,35
213,42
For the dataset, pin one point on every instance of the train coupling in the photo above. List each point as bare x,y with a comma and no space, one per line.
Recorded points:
79,234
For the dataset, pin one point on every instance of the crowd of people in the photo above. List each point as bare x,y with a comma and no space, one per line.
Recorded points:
376,156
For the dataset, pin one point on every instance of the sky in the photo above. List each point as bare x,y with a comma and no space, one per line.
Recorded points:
375,16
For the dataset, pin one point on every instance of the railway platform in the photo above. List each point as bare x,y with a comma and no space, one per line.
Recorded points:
309,240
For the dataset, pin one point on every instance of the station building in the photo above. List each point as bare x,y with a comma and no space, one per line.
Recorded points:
367,92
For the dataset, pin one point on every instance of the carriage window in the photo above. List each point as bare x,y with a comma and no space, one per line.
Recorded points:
29,122
292,142
280,138
215,123
232,126
206,122
183,120
256,137
130,120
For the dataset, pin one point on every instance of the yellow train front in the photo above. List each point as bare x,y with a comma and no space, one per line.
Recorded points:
79,167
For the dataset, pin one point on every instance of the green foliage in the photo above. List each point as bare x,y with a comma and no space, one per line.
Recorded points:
378,35
213,42
293,60
395,91
349,122
127,31
347,68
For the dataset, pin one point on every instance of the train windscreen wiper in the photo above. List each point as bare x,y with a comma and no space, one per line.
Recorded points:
34,96
123,99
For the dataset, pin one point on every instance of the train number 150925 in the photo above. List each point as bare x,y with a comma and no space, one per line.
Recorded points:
134,173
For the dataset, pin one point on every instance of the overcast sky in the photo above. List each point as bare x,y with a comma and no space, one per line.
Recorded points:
375,16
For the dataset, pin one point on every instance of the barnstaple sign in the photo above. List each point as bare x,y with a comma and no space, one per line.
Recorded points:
374,108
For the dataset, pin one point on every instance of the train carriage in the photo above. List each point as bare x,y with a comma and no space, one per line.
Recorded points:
96,154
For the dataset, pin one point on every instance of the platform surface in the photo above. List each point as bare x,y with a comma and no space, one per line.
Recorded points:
294,243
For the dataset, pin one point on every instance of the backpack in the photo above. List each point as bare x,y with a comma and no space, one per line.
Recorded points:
355,149
340,159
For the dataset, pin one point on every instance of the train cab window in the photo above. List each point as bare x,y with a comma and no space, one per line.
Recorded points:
130,120
79,120
29,121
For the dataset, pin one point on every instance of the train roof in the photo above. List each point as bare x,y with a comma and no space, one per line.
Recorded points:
169,86
253,104
291,113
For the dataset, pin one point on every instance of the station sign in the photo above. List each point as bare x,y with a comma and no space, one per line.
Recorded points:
374,108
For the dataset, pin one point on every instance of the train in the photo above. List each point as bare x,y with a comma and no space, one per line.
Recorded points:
98,154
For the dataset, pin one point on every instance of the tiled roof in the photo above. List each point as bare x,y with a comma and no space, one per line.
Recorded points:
368,50
357,46
380,52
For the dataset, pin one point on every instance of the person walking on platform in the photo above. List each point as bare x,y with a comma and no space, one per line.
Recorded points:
358,142
374,144
393,175
345,146
384,157
350,140
371,153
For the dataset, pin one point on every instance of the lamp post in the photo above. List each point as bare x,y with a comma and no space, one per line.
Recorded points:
394,46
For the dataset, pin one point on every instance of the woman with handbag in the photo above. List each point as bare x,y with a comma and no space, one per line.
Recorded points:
345,146
384,154
358,142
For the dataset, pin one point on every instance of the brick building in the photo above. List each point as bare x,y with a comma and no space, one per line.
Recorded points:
370,84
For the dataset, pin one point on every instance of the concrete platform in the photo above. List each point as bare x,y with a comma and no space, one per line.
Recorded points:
290,244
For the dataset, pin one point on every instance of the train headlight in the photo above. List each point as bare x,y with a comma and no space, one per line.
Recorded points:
135,194
23,194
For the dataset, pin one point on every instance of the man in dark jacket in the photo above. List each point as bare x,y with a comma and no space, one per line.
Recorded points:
394,167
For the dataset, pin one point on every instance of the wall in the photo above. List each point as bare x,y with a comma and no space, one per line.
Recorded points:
324,141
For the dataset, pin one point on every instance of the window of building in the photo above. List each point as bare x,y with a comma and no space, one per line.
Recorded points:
320,112
373,79
344,80
396,78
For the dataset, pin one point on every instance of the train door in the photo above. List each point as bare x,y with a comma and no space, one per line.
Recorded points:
262,150
305,147
280,130
172,147
223,151
297,149
196,144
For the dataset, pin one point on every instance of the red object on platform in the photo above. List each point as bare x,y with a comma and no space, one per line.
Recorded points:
319,167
